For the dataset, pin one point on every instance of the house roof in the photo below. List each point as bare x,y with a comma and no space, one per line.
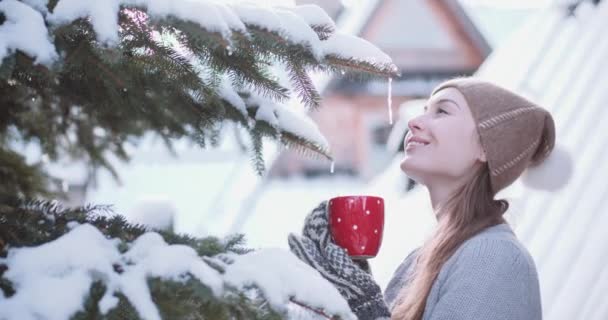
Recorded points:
430,40
427,24
469,26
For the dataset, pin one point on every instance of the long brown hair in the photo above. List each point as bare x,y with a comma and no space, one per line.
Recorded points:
469,210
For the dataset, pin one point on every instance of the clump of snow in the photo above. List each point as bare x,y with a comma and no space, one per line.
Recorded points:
207,14
102,15
299,125
227,92
349,46
39,5
84,255
154,212
297,30
285,22
231,18
71,263
150,256
24,30
288,119
258,16
266,112
313,15
272,268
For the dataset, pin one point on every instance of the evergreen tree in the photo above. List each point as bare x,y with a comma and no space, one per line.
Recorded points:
163,74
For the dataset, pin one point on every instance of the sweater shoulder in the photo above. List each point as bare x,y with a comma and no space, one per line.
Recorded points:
499,240
498,248
487,274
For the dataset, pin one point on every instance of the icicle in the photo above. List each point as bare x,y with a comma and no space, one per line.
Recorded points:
331,168
65,186
390,100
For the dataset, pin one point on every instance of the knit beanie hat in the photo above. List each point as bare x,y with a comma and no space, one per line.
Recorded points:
516,134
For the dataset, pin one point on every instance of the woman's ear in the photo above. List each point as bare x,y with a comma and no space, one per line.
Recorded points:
482,155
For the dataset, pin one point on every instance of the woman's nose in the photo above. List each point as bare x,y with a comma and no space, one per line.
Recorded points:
415,123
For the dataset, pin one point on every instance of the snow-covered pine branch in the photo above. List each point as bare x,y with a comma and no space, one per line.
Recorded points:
85,263
179,68
53,280
295,25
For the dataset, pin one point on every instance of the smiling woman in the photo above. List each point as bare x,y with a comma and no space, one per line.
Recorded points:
473,140
442,147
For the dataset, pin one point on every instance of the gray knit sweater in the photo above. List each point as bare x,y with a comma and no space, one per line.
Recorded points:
491,276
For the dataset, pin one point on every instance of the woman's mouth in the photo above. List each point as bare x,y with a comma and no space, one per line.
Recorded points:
414,144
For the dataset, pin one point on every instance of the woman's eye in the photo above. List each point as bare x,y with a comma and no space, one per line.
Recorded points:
441,110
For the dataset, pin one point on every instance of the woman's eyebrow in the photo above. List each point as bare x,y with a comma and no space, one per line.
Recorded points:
440,101
448,100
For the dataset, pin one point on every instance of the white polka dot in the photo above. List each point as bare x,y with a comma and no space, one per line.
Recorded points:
355,227
376,231
350,200
339,219
362,247
330,202
378,201
345,249
367,212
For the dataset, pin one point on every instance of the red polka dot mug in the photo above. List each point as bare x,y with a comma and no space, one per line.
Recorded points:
356,223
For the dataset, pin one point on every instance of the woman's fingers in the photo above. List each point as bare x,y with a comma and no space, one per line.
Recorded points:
306,250
316,226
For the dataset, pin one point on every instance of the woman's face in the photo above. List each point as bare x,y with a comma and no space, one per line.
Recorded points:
442,144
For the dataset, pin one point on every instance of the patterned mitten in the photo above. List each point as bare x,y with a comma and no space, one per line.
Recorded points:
356,285
316,228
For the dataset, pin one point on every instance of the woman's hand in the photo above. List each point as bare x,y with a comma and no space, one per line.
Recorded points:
363,295
352,278
316,228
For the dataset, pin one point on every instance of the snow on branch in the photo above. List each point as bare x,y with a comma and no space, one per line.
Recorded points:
284,278
190,52
288,120
350,47
24,30
296,24
84,255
